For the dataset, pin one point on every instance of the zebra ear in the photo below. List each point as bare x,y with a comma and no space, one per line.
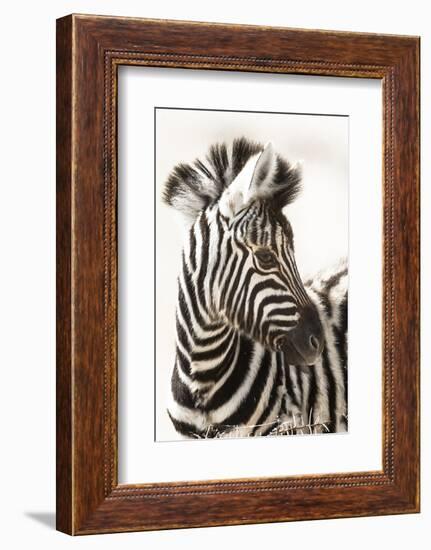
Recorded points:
187,191
261,185
274,179
236,196
252,182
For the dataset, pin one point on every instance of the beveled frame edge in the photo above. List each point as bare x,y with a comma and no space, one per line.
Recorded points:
89,51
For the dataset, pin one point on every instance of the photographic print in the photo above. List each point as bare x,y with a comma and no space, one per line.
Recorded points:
251,274
221,190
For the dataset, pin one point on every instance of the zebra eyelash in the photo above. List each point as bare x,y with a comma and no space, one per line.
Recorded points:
266,258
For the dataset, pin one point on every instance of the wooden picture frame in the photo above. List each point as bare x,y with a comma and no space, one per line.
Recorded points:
89,51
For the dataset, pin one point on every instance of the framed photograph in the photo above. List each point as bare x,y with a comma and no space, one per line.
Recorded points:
237,274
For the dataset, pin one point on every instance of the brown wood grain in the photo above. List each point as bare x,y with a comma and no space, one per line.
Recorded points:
89,51
64,497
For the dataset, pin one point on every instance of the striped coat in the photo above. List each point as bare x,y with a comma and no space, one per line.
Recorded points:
257,352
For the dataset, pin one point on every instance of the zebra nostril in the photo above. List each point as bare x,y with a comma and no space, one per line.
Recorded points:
314,342
281,343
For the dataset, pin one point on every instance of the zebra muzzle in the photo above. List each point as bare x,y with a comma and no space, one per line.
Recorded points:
304,344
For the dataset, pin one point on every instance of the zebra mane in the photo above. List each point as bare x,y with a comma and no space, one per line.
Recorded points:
193,187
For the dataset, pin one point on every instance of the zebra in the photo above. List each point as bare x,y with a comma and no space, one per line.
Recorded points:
257,351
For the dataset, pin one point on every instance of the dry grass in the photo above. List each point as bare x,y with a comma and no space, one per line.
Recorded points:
281,426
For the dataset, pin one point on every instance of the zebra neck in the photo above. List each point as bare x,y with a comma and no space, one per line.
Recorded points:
210,353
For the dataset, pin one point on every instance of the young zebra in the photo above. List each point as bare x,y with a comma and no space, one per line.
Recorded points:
256,353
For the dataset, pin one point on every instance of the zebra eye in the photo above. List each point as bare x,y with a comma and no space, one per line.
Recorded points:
266,258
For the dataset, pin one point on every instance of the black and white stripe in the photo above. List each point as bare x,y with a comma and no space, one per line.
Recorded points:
242,308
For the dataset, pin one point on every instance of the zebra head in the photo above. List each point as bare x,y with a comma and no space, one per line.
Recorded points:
239,256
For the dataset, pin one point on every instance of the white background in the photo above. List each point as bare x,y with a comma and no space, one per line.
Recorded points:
319,216
326,147
27,115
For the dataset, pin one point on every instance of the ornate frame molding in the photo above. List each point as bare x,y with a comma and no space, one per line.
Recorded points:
90,49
